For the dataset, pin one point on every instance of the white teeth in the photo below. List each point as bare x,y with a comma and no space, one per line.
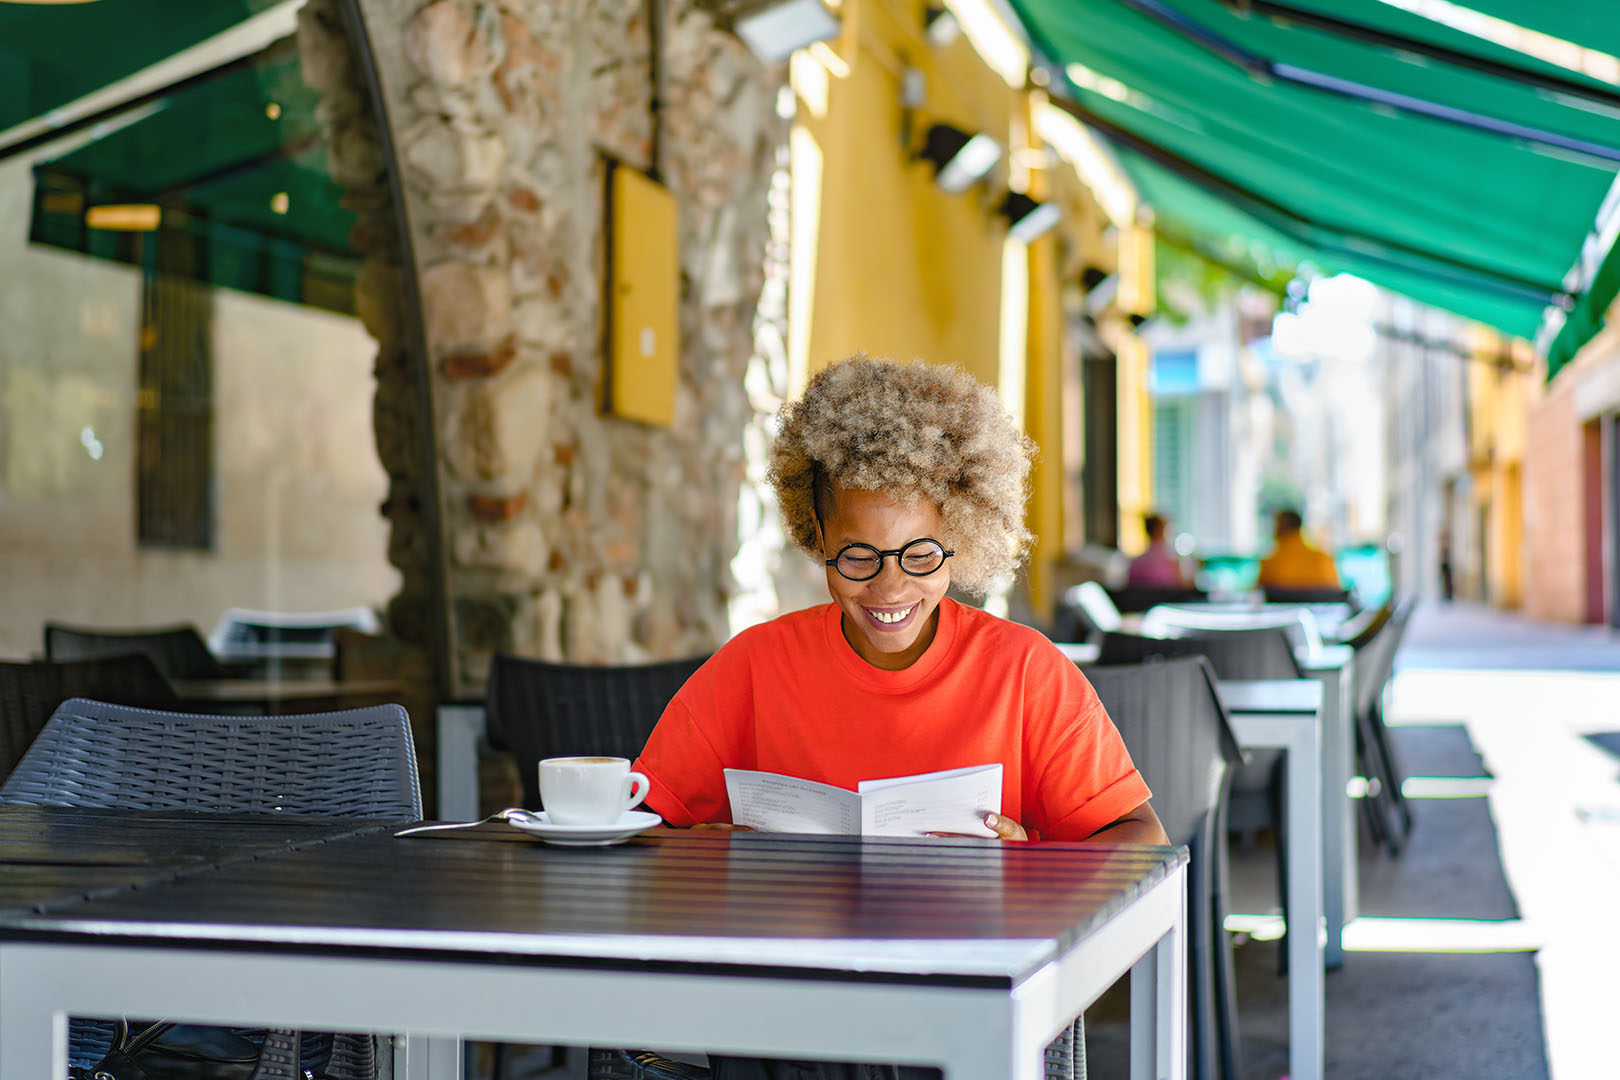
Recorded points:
890,616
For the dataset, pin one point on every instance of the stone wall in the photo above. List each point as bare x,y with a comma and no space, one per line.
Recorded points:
567,534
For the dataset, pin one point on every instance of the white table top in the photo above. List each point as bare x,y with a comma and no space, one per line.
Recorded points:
1272,695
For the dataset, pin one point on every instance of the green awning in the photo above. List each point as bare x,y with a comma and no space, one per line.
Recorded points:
234,158
1321,143
53,54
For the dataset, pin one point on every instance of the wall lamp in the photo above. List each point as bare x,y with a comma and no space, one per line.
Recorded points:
1102,289
1028,220
960,159
124,217
776,29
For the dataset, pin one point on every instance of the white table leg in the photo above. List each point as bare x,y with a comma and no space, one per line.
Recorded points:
33,1034
1339,876
428,1058
459,729
1159,1006
1297,736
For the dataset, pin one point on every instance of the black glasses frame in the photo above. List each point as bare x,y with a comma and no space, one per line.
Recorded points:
898,554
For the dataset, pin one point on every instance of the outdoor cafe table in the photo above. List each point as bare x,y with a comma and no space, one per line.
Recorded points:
967,954
284,696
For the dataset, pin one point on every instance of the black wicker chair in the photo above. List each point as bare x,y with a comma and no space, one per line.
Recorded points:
359,763
1384,808
537,710
1258,787
1170,715
31,691
178,651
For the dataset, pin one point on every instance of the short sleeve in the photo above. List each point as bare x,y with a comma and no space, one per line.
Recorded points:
702,732
1086,778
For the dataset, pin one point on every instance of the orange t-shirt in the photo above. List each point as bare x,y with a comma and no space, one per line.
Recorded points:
791,696
1295,564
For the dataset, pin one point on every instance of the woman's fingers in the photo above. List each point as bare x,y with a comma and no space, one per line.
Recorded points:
1005,827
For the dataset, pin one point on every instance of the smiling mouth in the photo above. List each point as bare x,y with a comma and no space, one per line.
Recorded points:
891,616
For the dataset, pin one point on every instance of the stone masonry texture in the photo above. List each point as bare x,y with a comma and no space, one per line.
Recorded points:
568,535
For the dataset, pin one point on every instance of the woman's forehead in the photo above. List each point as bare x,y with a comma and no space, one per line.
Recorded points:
856,509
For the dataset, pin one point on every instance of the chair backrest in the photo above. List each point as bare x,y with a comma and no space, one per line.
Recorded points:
178,651
31,691
1375,660
1094,603
1178,733
538,710
356,763
1134,598
1364,625
1276,594
1235,654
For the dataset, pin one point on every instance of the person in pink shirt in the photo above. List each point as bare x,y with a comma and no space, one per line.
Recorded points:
1159,567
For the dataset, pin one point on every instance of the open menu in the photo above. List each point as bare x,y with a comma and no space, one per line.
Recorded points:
952,801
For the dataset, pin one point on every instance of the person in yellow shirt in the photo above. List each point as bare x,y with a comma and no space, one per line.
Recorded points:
1295,563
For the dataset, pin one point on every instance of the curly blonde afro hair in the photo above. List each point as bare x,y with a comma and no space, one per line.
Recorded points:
913,431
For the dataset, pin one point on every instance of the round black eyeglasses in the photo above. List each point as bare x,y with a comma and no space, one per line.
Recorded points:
862,562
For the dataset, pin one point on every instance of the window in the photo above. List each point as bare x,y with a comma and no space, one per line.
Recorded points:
174,403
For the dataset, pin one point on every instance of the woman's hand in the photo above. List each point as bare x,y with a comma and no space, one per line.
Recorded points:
1004,827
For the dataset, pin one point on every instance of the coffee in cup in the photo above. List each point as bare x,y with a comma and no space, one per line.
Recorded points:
589,790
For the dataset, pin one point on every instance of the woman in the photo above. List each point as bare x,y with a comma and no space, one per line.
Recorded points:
903,479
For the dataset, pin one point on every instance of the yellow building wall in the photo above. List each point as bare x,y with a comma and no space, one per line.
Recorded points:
904,269
1499,386
891,265
1043,414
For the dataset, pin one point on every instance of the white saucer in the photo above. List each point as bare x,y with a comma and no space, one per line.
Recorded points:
535,823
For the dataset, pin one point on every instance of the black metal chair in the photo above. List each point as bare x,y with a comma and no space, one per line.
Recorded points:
1173,722
1278,594
358,763
1384,807
1258,787
31,691
535,709
178,651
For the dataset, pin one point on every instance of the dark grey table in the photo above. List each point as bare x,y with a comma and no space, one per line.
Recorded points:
50,857
970,955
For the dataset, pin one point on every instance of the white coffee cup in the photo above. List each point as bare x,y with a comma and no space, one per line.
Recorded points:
589,790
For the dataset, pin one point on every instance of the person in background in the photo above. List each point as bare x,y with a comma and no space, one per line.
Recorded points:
1295,563
1159,567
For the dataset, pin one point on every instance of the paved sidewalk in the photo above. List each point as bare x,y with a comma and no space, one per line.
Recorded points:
1453,636
1541,705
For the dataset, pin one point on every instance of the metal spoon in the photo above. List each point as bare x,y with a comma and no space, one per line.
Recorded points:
511,814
